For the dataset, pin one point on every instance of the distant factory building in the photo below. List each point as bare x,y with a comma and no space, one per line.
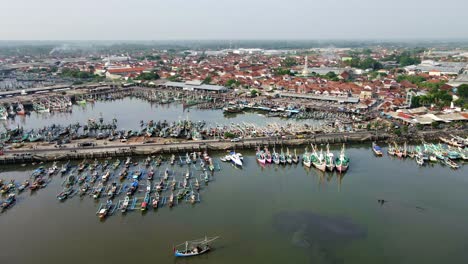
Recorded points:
437,68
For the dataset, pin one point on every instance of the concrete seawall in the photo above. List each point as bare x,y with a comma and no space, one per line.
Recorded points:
53,154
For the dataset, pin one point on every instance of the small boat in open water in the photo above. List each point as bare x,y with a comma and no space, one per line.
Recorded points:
377,150
194,247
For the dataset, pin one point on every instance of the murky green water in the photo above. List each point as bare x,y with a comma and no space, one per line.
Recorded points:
263,215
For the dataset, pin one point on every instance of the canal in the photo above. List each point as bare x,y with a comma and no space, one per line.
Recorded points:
271,214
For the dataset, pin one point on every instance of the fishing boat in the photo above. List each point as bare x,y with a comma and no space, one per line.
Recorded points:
171,200
318,160
20,109
451,163
40,107
391,150
275,157
151,174
144,204
377,150
288,156
105,210
260,156
173,184
97,191
192,198
84,189
329,160
187,174
23,186
133,188
125,204
419,160
65,167
11,199
306,159
3,113
236,158
197,185
116,164
342,161
148,161
123,174
268,156
295,158
62,196
172,159
53,169
112,191
106,176
194,247
206,178
282,157
166,174
156,200
128,162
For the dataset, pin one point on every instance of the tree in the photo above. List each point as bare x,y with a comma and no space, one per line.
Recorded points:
147,76
207,80
232,83
253,92
289,62
462,91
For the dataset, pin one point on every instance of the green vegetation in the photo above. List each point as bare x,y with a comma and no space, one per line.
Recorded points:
77,74
289,62
147,76
367,63
414,79
462,92
281,71
207,80
232,83
435,96
253,92
406,58
229,135
173,78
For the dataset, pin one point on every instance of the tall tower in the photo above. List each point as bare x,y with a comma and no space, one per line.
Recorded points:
305,71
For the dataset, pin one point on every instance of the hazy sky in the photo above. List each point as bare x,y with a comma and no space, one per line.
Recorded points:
233,19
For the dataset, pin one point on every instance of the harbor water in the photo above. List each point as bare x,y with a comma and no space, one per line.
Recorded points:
129,112
271,214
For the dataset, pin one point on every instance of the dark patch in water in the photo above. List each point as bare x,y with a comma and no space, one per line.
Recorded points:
319,235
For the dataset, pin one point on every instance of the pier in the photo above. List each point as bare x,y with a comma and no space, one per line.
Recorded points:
116,149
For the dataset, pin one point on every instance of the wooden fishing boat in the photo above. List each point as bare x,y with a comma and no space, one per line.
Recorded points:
306,159
260,156
144,204
156,200
194,247
23,186
295,158
171,200
197,185
329,159
342,162
125,204
105,210
8,202
377,150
